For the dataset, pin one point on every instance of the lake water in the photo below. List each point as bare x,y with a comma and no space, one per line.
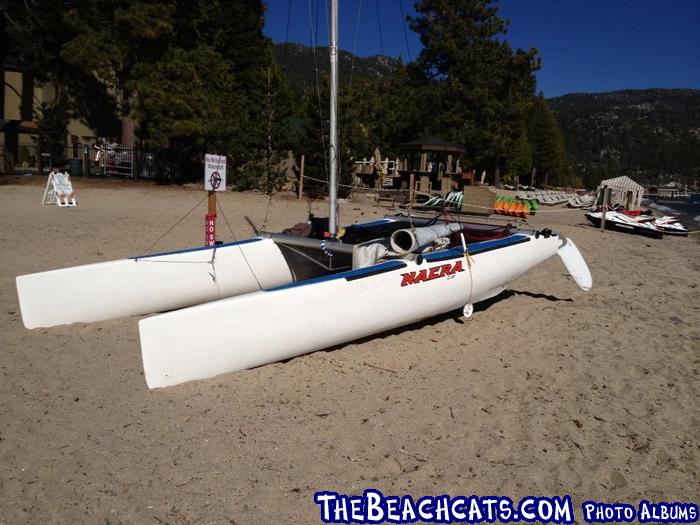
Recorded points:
688,212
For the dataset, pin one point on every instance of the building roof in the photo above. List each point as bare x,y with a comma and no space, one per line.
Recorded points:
623,182
432,144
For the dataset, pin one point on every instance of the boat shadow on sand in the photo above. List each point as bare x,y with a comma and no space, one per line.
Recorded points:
454,315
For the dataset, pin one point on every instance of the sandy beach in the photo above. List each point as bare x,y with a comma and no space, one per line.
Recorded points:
546,390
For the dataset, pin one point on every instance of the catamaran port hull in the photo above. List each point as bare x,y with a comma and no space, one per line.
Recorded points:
150,283
166,281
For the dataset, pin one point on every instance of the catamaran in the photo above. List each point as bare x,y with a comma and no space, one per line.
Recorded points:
275,296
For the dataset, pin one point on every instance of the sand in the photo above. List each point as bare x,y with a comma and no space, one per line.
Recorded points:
547,390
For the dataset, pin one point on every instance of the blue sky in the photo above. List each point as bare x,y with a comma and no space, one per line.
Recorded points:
586,46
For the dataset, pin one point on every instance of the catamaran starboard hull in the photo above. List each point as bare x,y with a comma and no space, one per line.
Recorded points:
233,334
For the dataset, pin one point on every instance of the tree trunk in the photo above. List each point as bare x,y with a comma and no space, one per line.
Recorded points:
497,174
128,126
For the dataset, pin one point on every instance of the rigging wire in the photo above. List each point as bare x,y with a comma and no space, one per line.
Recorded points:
314,42
268,160
286,36
178,222
344,126
267,212
271,113
405,33
379,25
218,205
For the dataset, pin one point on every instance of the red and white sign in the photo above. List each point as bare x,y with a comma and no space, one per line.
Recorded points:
214,172
209,230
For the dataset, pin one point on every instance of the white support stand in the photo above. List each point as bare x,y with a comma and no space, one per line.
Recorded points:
468,310
59,190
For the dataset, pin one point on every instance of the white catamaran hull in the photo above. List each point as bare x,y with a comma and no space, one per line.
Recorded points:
222,336
151,283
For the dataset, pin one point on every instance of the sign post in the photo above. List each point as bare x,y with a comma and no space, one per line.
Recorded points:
604,208
214,180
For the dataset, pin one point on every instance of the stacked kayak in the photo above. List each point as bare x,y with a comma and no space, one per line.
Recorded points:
515,207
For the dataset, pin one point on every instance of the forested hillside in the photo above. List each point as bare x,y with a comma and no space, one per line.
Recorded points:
652,135
300,62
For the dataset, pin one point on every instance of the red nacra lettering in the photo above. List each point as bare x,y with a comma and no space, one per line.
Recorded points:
429,274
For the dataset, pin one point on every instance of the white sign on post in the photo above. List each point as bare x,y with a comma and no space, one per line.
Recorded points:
214,172
59,190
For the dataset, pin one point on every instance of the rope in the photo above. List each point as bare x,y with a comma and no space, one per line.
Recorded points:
468,259
416,192
178,222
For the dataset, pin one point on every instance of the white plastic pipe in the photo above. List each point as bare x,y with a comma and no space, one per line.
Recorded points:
411,240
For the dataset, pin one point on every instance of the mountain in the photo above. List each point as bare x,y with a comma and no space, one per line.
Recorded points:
651,135
298,62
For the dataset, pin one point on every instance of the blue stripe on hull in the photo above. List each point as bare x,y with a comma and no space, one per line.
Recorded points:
200,249
349,275
477,247
378,222
474,249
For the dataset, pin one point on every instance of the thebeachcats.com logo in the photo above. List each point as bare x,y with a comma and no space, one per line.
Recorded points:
375,507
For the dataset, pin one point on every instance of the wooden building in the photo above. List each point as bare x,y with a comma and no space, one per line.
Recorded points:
434,165
625,192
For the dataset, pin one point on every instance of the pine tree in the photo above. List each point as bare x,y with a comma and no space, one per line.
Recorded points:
184,77
521,161
547,142
475,90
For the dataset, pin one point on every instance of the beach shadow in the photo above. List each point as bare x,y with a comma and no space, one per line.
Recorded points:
554,298
454,315
488,303
254,228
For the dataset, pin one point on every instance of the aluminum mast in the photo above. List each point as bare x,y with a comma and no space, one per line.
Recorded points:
333,154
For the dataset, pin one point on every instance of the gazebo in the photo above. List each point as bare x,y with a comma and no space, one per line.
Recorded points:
625,192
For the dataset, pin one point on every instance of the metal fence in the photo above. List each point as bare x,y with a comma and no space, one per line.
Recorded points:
110,160
104,160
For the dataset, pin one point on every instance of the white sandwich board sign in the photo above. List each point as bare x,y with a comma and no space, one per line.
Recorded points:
214,172
59,190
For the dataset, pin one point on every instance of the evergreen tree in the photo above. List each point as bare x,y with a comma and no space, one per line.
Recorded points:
548,148
521,161
184,77
475,90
